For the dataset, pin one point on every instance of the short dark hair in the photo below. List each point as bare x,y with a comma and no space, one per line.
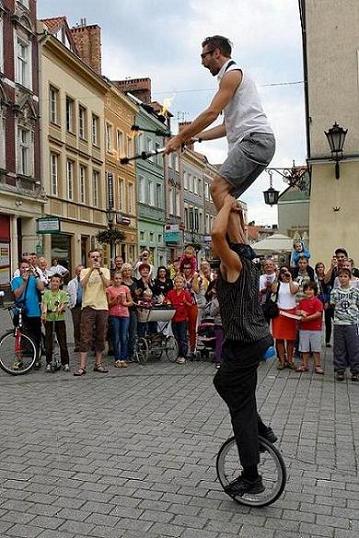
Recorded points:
345,271
341,250
311,286
56,275
24,261
219,42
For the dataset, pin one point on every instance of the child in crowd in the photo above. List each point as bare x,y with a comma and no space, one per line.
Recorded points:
180,298
299,251
53,306
345,300
310,330
188,257
144,304
119,299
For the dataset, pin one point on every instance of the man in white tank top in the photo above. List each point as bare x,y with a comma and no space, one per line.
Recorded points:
251,142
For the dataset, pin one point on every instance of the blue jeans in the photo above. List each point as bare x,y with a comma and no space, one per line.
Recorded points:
179,329
119,335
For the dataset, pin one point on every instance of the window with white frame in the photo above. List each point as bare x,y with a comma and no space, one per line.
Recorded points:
186,217
95,188
199,186
95,130
2,140
140,142
150,147
23,63
185,180
151,193
70,114
120,143
200,222
196,219
190,182
178,203
206,191
195,184
109,140
54,104
82,184
54,173
158,199
141,189
129,147
170,201
208,225
82,122
25,152
131,198
122,194
142,236
70,179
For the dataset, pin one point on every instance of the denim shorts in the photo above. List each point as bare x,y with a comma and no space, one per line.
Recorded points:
247,160
310,341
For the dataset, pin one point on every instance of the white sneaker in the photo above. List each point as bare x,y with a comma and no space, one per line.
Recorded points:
48,368
180,360
66,368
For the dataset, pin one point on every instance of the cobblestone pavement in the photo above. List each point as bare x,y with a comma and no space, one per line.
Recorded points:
132,454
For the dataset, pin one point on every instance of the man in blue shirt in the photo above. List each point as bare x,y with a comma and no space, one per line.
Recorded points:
26,289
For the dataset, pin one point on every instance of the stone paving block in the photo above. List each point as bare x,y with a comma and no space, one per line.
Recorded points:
24,531
157,516
320,530
166,529
76,527
47,522
56,534
255,532
191,533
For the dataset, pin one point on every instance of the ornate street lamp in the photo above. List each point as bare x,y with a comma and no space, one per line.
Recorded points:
336,138
271,195
110,214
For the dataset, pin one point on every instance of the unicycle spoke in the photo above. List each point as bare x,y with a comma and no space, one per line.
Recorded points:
271,468
17,353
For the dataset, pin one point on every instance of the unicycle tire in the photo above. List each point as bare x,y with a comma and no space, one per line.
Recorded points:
17,362
271,468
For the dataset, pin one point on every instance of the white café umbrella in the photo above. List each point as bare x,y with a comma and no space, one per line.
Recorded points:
276,243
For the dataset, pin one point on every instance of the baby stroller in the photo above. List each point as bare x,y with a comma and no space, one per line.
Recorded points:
206,338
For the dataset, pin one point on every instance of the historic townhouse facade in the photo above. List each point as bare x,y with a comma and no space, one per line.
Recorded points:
192,167
331,65
150,187
174,226
120,113
209,209
72,141
21,194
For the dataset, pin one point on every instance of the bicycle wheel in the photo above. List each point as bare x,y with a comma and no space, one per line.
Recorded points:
142,350
171,348
17,353
271,468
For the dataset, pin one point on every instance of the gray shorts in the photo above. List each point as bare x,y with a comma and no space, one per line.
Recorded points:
310,341
247,159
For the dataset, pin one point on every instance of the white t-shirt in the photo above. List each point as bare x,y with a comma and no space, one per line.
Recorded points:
263,280
286,299
58,270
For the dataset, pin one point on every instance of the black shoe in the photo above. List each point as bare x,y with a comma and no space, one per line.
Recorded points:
355,377
339,376
37,365
269,435
241,486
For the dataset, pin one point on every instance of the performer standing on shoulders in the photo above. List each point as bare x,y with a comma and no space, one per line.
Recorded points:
247,337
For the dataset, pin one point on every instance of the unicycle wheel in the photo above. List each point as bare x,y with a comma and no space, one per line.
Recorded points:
271,468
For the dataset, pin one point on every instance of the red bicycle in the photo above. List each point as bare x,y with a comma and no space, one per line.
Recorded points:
18,352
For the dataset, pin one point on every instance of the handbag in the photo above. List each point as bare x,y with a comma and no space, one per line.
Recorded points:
270,307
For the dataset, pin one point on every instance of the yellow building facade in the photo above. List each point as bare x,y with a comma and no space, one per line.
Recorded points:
119,142
73,150
331,67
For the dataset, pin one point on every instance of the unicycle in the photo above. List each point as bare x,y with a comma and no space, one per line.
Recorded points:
271,468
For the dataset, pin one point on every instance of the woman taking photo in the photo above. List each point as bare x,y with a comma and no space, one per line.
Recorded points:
284,329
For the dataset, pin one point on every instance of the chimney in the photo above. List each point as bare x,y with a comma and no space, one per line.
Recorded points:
139,87
181,126
88,43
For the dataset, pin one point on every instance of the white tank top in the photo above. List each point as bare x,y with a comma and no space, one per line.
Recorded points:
244,113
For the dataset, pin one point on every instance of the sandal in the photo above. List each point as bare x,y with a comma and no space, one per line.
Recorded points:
280,365
302,369
290,365
318,370
118,364
101,369
80,372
